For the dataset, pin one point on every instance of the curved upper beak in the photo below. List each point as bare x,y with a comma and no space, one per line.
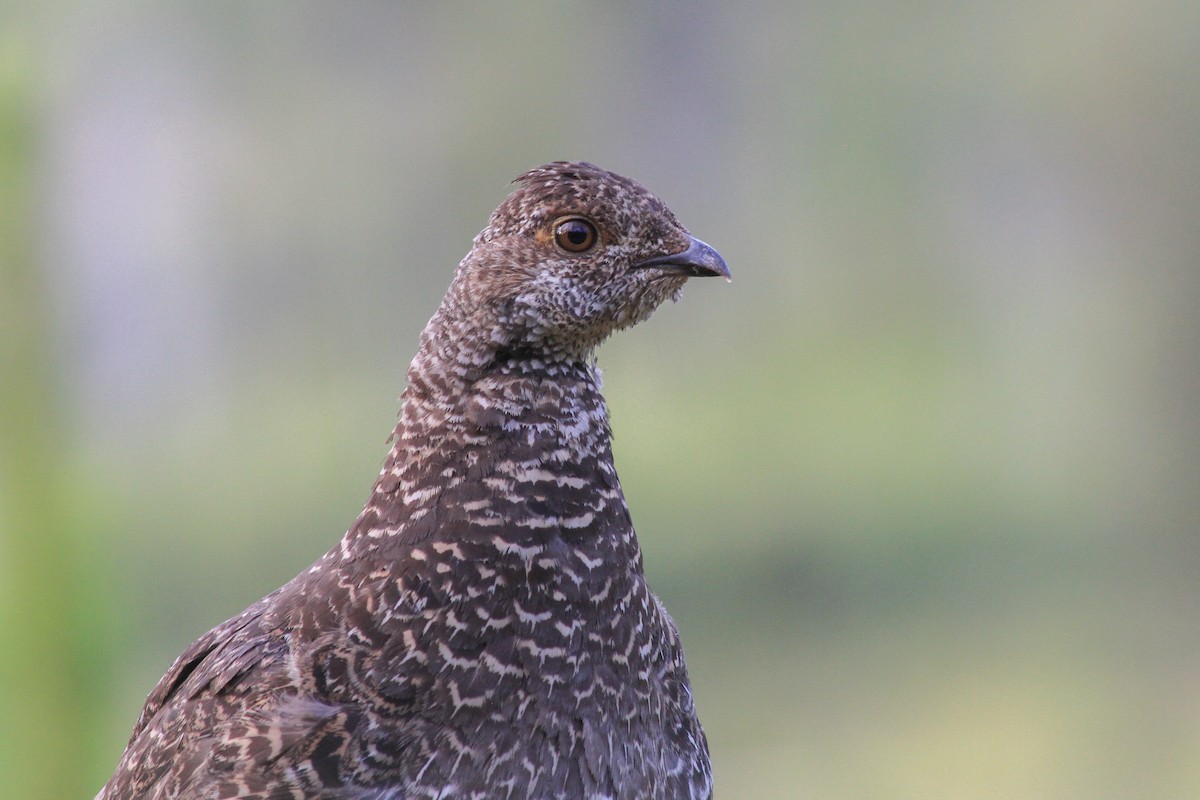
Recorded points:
698,260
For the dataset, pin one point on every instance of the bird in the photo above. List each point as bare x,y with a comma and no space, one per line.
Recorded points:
484,629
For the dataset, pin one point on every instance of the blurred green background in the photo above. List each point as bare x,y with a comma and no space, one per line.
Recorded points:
920,486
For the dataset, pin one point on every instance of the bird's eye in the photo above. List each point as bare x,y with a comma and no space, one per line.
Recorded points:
575,235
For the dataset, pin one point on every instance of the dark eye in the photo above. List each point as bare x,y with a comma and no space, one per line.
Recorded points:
575,235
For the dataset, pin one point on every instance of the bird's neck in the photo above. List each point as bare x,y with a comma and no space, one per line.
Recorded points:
499,446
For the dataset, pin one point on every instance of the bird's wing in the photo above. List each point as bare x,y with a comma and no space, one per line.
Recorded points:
230,720
211,663
217,709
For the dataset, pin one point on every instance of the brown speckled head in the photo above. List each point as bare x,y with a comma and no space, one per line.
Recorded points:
573,254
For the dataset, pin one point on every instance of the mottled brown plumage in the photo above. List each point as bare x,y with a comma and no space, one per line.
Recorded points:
484,629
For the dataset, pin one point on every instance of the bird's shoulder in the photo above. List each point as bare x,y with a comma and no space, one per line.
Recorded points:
217,662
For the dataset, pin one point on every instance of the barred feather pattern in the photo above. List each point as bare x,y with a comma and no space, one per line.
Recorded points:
484,629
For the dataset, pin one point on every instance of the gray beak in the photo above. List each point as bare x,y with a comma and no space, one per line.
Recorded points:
697,261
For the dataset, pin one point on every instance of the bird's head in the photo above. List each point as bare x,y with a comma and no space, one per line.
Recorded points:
572,255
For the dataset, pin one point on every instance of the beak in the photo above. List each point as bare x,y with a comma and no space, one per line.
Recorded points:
697,261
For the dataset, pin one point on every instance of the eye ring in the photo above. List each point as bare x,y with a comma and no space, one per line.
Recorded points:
575,235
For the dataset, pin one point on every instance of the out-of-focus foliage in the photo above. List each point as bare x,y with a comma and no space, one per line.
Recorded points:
46,703
919,486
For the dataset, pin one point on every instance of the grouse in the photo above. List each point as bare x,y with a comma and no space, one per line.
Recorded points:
484,629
